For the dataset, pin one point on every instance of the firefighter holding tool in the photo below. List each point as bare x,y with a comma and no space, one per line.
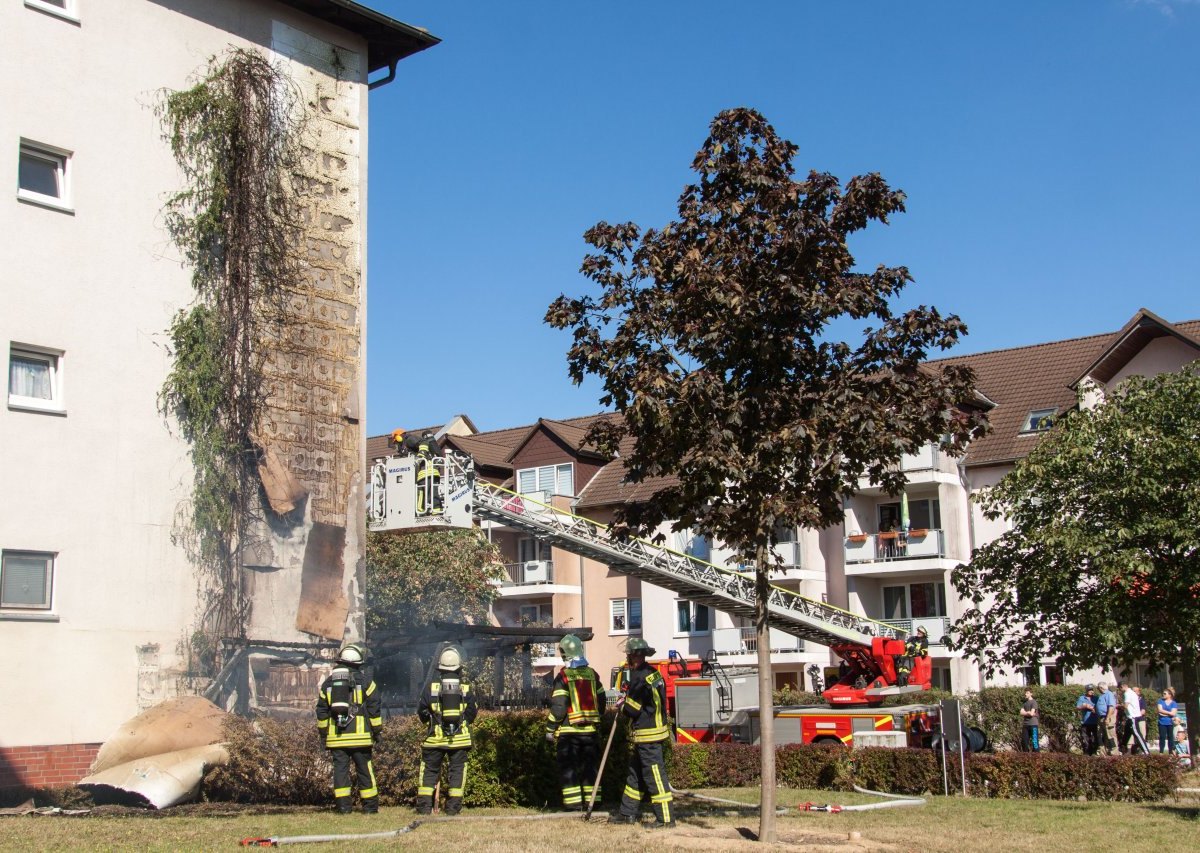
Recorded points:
646,705
573,723
350,718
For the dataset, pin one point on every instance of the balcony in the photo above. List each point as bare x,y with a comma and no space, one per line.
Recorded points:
937,626
532,577
743,641
927,465
881,547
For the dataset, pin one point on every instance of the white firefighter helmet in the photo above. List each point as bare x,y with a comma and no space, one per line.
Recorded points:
450,659
570,647
352,655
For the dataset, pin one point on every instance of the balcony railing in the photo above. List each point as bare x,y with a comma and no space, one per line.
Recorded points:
937,626
741,641
880,547
528,573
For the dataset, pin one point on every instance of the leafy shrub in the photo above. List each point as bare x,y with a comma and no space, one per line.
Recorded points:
284,762
997,711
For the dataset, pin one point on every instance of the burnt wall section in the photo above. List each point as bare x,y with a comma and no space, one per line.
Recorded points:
314,368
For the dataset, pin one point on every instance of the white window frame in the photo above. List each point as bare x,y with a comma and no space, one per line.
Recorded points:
544,613
31,609
1032,423
68,11
622,608
62,160
553,472
692,608
54,358
908,608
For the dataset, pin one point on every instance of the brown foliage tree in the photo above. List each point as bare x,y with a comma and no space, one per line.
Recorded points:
712,339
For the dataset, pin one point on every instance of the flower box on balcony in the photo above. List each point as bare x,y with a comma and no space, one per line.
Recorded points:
857,537
887,535
919,533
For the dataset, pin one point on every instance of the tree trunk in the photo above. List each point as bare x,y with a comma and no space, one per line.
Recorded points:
766,702
1190,699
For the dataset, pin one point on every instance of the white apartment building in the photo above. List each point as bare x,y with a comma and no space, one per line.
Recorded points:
864,566
97,601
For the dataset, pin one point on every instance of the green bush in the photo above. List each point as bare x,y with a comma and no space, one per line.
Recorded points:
284,763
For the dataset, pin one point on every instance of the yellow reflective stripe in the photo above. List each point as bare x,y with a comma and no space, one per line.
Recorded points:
632,792
663,791
422,791
372,791
370,688
377,721
880,722
846,738
686,735
322,724
633,703
341,792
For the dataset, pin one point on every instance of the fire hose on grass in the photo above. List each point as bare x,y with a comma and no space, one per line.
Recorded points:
892,801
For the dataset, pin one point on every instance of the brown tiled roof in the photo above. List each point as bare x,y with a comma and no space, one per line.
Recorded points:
1025,379
485,448
570,432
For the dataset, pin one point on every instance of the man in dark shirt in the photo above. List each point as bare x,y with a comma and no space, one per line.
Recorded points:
1029,723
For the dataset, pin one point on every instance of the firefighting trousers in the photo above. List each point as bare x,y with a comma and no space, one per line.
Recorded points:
360,757
647,777
578,757
431,768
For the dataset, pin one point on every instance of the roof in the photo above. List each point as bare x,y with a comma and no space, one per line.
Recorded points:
1144,327
570,432
388,40
1042,376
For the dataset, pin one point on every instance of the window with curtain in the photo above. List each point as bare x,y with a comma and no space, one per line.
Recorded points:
26,580
625,615
554,479
34,379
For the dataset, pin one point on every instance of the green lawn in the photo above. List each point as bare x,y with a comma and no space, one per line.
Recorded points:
944,824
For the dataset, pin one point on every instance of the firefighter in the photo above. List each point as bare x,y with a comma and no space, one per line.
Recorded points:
645,702
429,498
576,708
914,647
448,709
350,717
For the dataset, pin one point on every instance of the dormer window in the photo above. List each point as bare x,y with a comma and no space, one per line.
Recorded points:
1039,420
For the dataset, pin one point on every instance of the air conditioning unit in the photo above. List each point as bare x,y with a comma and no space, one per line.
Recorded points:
537,571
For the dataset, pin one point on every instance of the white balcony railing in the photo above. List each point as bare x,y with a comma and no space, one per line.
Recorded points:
937,626
529,573
742,641
880,547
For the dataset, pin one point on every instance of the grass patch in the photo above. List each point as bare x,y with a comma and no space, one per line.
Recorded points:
944,824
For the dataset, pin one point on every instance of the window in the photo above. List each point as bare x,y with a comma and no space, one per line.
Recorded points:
923,514
530,549
35,379
691,618
1039,420
26,580
1031,675
699,547
43,175
916,601
625,615
554,479
536,614
58,8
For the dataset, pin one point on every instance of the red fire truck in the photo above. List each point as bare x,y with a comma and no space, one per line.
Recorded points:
711,702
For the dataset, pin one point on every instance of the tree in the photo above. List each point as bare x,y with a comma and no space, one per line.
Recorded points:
416,579
1102,564
710,338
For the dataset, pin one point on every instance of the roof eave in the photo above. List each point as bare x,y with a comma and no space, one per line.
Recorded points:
388,40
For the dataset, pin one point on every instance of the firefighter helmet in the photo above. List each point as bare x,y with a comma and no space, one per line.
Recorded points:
923,631
570,647
450,659
636,645
352,655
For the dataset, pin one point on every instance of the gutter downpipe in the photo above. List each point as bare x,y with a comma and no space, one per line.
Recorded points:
383,81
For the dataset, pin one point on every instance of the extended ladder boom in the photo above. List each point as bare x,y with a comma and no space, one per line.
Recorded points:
460,497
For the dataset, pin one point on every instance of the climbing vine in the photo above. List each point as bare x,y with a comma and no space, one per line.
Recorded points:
235,135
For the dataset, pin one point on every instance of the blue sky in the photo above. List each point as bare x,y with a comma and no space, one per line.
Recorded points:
1050,153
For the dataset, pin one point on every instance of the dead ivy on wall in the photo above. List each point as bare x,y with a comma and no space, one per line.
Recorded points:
235,135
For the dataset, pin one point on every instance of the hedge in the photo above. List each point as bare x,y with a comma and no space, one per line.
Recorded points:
512,764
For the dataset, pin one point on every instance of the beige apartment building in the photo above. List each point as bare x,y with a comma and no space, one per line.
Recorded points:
98,601
866,566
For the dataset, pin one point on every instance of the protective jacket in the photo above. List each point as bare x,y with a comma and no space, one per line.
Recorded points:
448,709
917,646
577,702
364,719
646,703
